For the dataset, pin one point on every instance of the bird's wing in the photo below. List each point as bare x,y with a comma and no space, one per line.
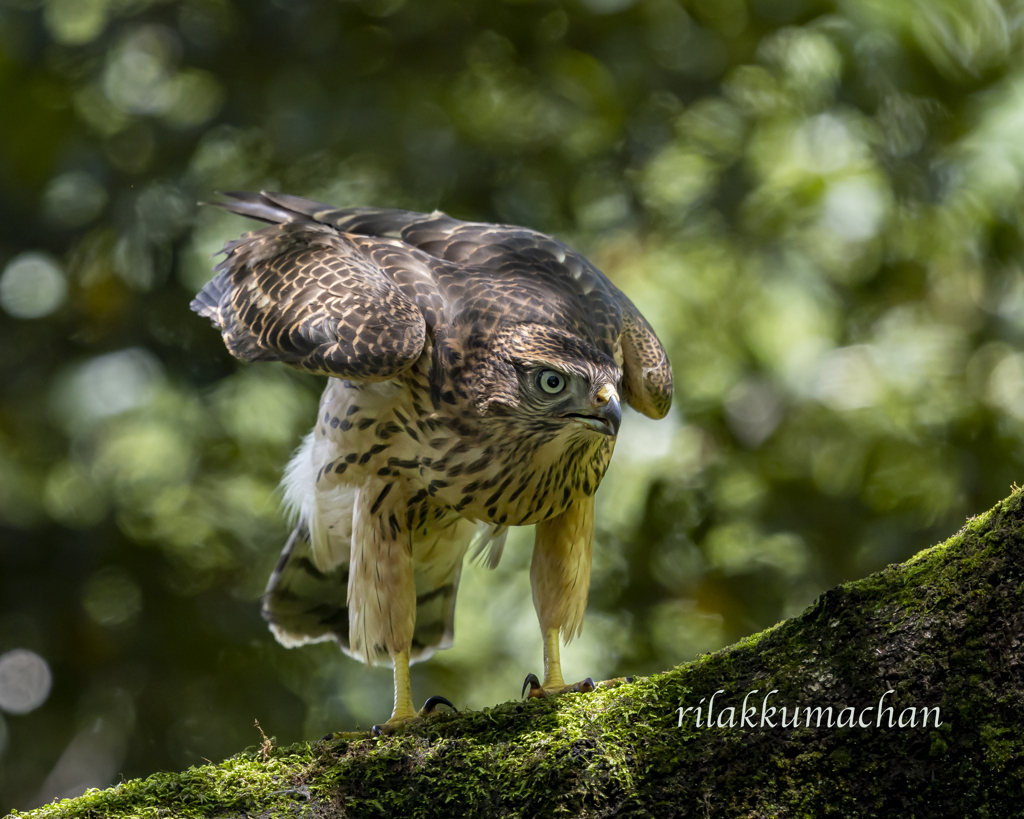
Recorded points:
647,374
302,293
525,275
558,285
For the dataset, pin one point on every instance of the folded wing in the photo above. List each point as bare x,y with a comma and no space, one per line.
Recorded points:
302,293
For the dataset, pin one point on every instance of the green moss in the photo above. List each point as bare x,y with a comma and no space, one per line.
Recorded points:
251,780
942,630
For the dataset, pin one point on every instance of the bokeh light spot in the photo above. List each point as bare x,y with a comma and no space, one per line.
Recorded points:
846,379
75,22
753,409
853,210
607,6
32,286
111,598
25,681
108,385
74,199
138,79
1006,385
197,97
72,497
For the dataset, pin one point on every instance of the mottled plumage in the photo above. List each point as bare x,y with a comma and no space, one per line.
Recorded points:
475,373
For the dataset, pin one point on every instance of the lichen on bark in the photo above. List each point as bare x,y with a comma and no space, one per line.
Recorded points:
942,630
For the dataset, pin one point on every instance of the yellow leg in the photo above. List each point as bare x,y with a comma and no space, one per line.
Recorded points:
552,662
403,689
560,575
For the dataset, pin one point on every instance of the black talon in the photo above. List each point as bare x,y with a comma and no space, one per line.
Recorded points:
534,684
586,686
377,730
327,737
629,679
430,706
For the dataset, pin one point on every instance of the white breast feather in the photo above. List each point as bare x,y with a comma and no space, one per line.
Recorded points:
327,514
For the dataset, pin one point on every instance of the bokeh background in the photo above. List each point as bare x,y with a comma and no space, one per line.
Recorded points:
818,205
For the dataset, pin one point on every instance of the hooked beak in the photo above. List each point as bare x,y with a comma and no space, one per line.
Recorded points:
607,416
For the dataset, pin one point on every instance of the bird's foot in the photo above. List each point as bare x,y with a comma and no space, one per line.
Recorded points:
584,686
538,691
398,720
429,708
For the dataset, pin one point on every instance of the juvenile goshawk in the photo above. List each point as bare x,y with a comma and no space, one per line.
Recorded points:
475,374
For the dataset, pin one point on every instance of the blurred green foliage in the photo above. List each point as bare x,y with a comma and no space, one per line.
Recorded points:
817,205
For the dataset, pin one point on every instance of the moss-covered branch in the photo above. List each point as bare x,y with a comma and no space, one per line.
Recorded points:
940,631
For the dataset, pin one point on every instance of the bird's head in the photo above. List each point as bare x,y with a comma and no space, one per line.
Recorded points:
550,380
568,395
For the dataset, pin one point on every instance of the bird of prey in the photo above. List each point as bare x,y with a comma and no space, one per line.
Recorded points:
475,374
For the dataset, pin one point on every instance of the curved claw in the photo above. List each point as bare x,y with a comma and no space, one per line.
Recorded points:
430,706
585,686
536,689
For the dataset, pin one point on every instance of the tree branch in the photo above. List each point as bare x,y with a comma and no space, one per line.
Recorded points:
941,631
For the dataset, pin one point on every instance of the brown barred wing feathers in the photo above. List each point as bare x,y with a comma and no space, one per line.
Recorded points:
647,374
301,293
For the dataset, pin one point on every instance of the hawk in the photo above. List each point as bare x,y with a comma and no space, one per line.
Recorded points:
475,374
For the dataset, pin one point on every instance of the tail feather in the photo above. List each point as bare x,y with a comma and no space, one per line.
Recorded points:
488,544
303,604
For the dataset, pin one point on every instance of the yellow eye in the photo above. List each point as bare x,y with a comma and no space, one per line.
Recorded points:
551,382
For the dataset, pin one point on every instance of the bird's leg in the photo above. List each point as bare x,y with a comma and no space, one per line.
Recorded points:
382,594
403,711
552,661
403,689
382,588
560,576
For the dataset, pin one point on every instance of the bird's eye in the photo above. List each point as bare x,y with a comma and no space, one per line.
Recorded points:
551,382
